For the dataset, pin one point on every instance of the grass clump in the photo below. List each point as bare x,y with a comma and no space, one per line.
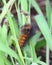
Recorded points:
27,54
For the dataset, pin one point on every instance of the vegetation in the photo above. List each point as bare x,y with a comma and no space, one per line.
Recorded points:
27,54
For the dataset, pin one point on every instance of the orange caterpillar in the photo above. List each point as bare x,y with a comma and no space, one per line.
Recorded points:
26,29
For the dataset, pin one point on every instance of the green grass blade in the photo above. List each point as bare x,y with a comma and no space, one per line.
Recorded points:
7,50
25,9
51,20
44,29
48,12
15,24
4,34
24,5
35,38
4,58
1,59
34,63
33,42
41,63
15,38
33,53
36,6
19,15
5,10
40,44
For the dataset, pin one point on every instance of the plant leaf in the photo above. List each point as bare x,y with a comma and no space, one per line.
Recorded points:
35,38
44,29
48,11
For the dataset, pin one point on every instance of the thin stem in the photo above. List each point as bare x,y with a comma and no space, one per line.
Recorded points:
47,54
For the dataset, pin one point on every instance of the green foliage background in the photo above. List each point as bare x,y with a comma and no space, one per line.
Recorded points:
26,55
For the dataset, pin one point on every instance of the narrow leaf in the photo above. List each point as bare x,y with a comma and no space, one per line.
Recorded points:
44,29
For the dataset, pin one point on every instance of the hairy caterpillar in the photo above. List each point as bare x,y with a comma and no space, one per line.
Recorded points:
26,30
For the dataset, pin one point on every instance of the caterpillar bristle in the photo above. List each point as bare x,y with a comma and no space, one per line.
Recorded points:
24,35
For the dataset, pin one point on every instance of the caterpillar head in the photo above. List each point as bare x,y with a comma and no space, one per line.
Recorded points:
26,29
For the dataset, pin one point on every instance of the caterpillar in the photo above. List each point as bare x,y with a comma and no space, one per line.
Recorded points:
26,30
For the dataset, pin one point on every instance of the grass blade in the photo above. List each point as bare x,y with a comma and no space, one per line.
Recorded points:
48,12
5,9
44,29
36,6
33,42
